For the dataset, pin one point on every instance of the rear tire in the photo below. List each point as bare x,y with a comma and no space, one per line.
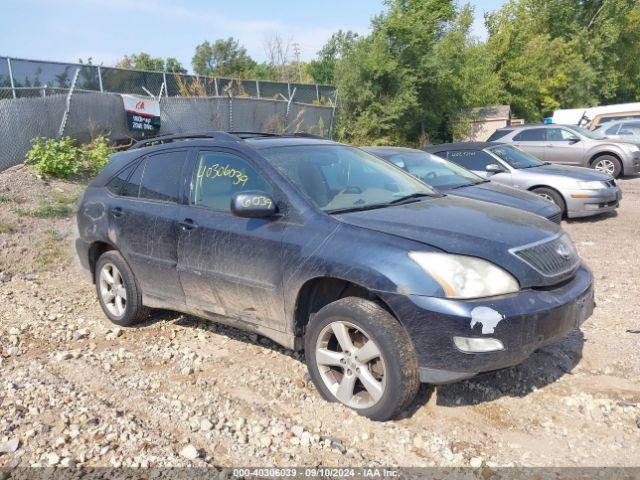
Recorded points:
607,164
359,355
552,196
118,292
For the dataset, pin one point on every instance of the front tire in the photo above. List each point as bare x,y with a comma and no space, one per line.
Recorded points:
608,164
118,292
552,196
359,355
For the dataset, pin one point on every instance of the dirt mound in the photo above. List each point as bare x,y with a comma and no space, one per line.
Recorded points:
35,230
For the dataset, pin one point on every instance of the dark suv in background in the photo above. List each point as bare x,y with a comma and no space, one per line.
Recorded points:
320,246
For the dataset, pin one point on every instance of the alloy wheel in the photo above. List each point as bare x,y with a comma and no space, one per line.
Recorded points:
605,166
547,197
351,365
112,290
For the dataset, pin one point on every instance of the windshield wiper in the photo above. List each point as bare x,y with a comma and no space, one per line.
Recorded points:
357,208
466,185
407,198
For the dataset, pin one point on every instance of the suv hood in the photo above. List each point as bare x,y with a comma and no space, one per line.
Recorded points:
508,196
578,173
465,227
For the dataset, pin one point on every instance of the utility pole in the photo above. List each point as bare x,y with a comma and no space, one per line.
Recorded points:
296,53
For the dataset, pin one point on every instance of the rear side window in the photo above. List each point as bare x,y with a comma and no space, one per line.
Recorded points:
162,176
219,175
498,134
116,184
531,135
132,187
470,159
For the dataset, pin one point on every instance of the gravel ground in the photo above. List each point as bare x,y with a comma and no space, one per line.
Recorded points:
76,390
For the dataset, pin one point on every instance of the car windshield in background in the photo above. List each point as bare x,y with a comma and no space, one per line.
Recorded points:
588,133
515,157
338,178
435,171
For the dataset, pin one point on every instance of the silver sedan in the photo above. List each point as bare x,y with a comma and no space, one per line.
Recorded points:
579,192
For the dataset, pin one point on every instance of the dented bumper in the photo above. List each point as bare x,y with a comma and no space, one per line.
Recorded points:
523,322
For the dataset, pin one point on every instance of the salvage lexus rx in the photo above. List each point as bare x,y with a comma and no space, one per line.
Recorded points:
322,247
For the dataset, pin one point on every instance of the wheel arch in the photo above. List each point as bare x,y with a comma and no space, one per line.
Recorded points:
597,155
96,249
317,292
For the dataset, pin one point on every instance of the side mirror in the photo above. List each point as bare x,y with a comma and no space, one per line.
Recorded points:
253,204
573,140
494,168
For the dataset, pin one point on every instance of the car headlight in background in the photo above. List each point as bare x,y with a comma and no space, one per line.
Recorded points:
465,277
596,185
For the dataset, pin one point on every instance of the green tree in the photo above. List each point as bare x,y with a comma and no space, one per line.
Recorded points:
224,58
144,61
407,82
323,69
566,53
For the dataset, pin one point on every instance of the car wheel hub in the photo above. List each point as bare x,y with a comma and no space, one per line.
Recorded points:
112,290
351,365
605,166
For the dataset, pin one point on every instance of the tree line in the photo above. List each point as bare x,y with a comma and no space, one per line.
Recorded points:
410,79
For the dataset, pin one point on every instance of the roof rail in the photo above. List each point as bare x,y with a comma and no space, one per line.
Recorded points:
245,135
159,139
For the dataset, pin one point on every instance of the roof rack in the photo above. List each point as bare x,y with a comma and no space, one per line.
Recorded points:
245,135
216,135
172,137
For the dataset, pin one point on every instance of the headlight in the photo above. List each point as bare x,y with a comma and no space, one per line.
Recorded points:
465,277
596,185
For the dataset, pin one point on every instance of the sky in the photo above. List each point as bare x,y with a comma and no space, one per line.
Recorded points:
106,30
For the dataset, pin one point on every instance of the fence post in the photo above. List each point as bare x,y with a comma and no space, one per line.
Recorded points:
230,113
333,114
317,93
100,78
67,109
215,83
258,88
13,87
164,79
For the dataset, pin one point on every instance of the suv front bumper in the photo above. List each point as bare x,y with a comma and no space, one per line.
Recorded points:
530,319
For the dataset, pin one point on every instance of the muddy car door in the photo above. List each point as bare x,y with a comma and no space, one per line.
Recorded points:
144,223
230,265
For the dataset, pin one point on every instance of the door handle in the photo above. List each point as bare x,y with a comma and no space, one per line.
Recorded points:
117,212
188,224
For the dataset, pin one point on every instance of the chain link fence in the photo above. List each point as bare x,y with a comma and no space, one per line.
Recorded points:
23,77
83,115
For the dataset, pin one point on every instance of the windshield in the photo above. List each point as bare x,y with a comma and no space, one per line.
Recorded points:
515,157
339,177
434,171
588,133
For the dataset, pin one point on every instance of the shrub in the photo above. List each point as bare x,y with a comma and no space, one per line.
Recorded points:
96,154
63,159
55,158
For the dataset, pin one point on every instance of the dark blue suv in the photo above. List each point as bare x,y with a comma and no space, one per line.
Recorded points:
321,246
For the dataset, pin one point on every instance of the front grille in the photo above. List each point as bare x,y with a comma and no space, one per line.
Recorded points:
557,218
550,257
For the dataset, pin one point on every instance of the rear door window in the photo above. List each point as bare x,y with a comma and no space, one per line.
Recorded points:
162,176
531,135
132,187
471,159
116,184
